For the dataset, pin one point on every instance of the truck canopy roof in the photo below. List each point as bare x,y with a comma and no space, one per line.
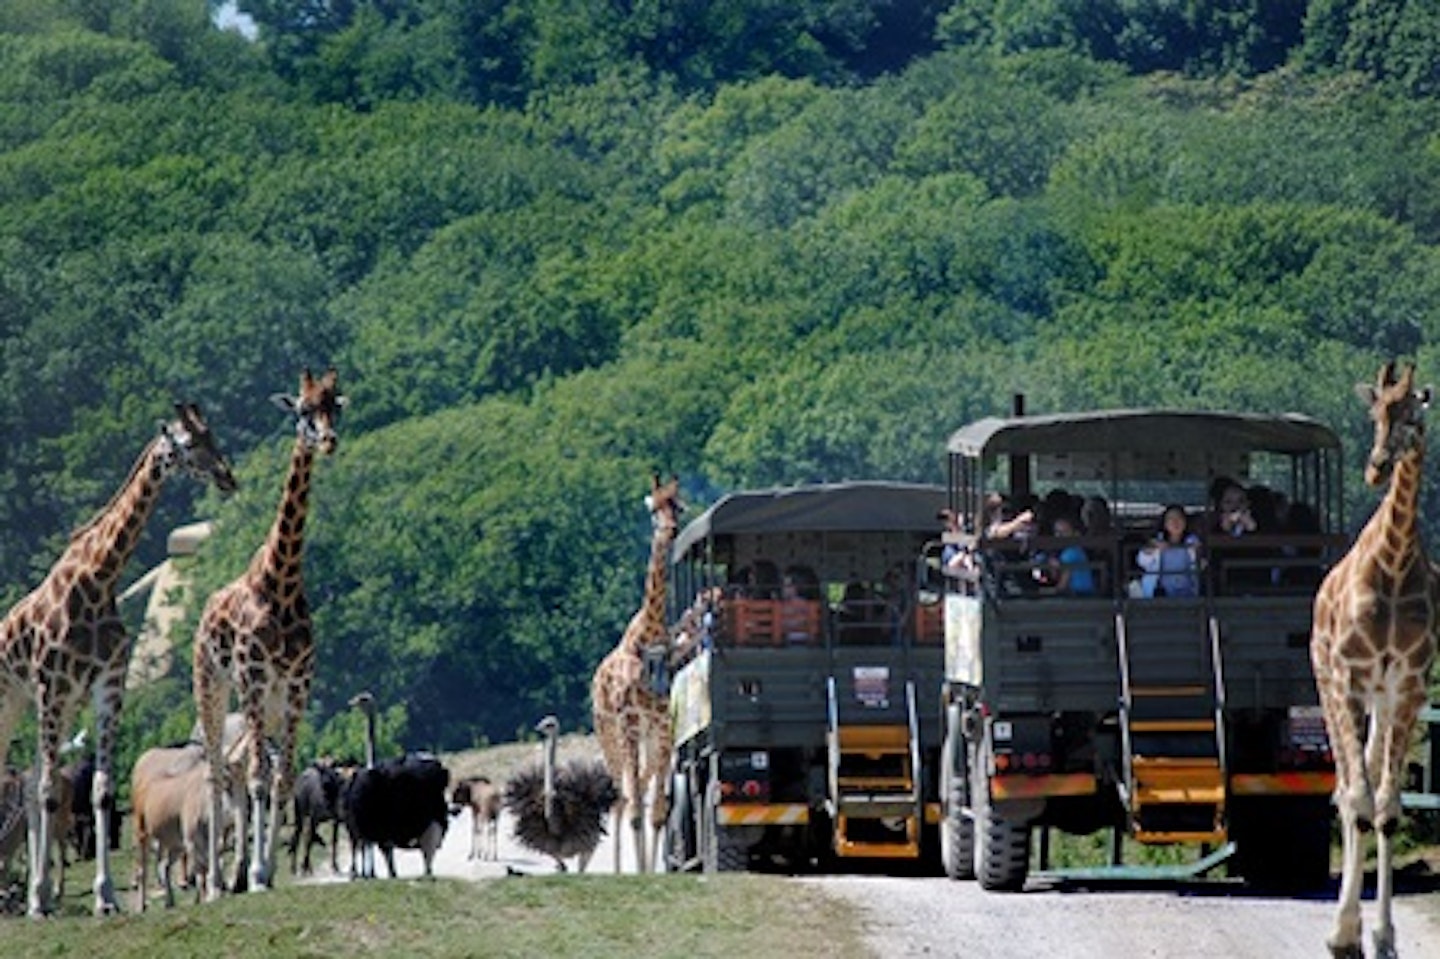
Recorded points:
821,508
1142,430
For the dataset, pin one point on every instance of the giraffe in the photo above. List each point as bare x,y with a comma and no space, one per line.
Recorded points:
65,640
1373,642
632,720
254,638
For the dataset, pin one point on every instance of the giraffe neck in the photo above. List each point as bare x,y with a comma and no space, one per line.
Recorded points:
1392,534
651,619
279,557
104,545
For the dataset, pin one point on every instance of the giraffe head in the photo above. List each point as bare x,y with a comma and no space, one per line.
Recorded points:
664,503
1398,410
188,445
317,409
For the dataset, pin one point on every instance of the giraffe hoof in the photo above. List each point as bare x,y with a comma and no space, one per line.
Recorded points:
1349,951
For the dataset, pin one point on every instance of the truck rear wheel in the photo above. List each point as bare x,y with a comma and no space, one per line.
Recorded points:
1282,843
957,830
720,848
1002,847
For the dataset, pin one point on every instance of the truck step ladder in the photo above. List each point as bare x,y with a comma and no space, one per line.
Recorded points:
875,788
1174,783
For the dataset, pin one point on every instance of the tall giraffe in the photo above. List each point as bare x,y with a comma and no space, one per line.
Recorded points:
65,640
632,719
1374,640
254,638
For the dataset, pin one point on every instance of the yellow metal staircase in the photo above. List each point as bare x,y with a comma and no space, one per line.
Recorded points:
875,789
1174,756
1177,785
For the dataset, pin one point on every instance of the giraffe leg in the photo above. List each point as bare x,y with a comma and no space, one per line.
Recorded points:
1344,718
1348,726
259,786
106,697
284,773
636,808
1394,738
210,699
652,787
42,901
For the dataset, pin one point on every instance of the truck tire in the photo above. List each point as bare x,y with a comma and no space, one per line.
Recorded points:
1282,844
957,829
720,850
1002,847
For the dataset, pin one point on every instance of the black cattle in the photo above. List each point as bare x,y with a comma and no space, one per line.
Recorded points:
316,802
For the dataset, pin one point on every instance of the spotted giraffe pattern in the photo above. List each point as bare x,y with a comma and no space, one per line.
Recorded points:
255,640
1373,643
65,641
632,720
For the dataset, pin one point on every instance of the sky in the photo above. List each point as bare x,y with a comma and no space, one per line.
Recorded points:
228,17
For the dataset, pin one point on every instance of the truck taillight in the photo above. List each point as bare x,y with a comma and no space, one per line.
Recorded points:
745,776
1030,762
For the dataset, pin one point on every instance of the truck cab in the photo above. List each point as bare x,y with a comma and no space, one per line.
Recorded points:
1186,716
802,703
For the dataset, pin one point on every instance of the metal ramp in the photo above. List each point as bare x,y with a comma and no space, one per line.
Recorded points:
1173,783
1120,872
875,796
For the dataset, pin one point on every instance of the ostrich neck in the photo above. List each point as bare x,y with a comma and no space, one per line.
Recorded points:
549,793
369,739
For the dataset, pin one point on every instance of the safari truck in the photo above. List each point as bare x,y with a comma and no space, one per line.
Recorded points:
1185,718
805,727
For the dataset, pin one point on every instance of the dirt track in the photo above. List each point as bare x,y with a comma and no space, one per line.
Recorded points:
909,917
937,917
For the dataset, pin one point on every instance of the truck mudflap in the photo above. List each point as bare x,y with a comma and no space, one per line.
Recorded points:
762,814
1027,786
1319,783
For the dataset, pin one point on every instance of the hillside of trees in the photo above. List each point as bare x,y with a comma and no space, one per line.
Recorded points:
553,245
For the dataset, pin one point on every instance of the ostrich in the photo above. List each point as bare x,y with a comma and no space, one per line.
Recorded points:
395,803
560,812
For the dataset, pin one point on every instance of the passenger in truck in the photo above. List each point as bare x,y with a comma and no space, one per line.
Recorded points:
956,559
1003,520
1067,572
1231,506
1171,559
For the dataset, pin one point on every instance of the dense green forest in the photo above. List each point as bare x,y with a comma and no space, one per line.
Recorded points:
553,245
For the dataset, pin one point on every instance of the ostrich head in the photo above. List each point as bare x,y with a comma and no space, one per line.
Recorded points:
365,701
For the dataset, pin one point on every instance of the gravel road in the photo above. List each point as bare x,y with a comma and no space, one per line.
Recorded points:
908,917
937,917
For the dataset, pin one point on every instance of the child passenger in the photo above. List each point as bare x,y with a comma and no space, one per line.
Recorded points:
1171,560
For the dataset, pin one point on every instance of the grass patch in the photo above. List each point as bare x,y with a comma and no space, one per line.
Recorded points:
599,916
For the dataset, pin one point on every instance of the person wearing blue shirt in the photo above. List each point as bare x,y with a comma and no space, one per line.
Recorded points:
1070,568
1171,560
